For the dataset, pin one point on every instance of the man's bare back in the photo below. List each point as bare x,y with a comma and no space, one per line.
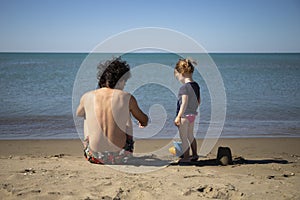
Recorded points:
107,117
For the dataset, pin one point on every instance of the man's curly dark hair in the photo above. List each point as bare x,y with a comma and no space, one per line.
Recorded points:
111,71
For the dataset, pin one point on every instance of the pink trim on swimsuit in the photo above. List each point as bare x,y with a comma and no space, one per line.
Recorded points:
190,117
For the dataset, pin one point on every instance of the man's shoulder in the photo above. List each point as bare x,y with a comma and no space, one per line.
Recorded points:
88,93
123,93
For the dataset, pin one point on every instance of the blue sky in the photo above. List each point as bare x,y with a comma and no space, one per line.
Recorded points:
218,25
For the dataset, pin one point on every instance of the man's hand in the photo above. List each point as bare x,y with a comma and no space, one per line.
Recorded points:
142,125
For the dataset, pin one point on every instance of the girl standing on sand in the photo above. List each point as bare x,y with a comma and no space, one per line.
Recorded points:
187,105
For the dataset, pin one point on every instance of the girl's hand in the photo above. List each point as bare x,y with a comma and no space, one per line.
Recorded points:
177,121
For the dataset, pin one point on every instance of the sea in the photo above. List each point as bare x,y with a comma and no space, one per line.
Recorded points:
253,94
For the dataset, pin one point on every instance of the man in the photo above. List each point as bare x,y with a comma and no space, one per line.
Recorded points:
107,112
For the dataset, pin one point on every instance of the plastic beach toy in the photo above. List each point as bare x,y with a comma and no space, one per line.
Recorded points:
176,149
172,150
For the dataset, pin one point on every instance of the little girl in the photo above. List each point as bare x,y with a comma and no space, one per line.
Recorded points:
187,105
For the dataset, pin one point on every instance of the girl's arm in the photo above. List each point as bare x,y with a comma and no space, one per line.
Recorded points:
182,109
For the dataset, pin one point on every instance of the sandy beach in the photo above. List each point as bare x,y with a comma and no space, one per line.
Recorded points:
263,168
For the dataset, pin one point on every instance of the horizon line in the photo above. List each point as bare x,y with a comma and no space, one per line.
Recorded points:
212,52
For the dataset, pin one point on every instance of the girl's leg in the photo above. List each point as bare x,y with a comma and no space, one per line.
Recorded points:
192,140
183,132
194,147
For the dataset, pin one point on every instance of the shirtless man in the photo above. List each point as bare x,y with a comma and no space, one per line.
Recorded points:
107,112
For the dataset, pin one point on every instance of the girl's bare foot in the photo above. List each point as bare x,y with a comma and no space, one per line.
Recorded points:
195,158
184,160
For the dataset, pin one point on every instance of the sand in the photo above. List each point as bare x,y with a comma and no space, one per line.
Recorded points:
263,168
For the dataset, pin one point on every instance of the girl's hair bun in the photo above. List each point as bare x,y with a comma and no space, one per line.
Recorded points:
185,65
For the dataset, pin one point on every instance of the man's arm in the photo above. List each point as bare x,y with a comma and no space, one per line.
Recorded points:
137,112
80,110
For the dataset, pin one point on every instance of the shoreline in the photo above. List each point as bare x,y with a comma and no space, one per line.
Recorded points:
262,136
74,146
264,168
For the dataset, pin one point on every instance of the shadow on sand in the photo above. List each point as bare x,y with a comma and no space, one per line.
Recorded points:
236,161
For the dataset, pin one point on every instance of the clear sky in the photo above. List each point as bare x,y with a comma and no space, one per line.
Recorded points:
218,25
